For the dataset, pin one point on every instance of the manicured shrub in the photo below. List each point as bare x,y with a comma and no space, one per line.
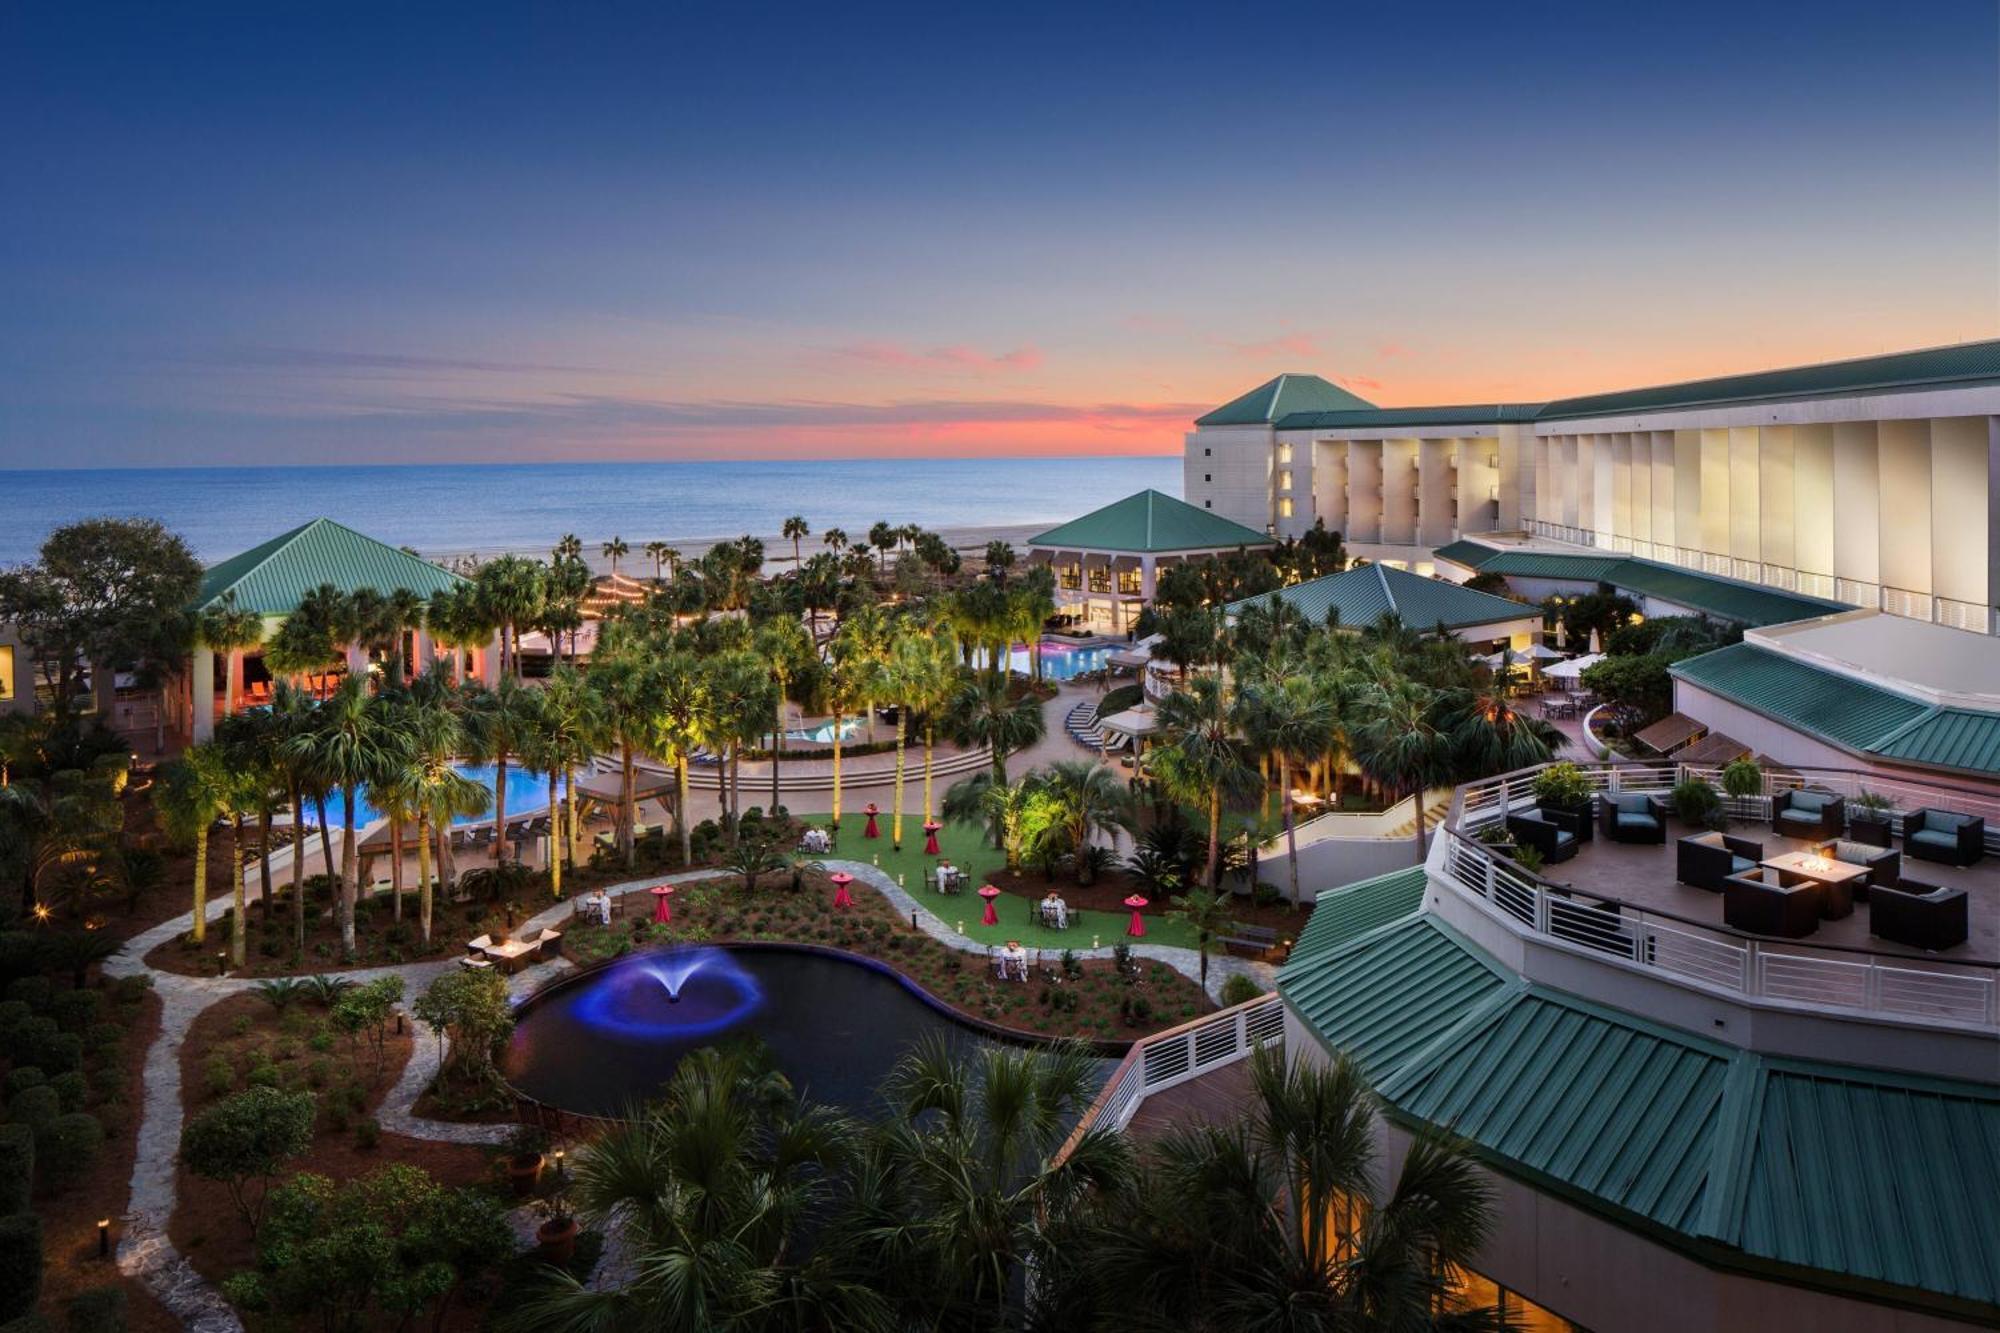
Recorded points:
35,992
104,1037
75,1010
17,1167
20,1264
59,1052
247,1139
21,1042
13,1013
27,1076
72,1088
69,1149
130,990
98,1310
36,1108
1238,989
218,1076
32,1322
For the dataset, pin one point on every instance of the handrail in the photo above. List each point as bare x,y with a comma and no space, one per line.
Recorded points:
1176,1055
1703,953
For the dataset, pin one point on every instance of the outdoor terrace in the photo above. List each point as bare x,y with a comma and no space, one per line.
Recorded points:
1623,903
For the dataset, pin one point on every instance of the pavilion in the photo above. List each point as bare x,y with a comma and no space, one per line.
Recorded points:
1106,563
1358,598
272,579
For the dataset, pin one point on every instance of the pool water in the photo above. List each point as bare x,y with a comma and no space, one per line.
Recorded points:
611,1038
527,793
1060,661
823,733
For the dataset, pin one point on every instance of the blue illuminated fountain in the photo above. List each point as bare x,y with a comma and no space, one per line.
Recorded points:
671,996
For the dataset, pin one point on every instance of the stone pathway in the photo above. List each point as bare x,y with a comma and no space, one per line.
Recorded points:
146,1254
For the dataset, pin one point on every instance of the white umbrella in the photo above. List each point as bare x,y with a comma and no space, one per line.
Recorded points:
1595,646
1575,667
1544,652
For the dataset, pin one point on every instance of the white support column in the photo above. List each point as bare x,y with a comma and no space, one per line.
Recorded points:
357,660
204,694
489,662
426,651
1146,578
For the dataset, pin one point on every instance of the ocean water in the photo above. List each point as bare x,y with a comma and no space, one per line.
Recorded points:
490,508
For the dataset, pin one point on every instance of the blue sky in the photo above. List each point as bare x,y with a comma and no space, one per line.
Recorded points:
424,233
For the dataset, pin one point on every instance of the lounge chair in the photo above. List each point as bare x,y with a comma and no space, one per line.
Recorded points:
1885,864
1534,829
1943,836
1804,812
1705,860
1919,914
1634,816
1764,901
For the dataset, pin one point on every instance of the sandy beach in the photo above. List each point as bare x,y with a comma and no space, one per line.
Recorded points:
777,549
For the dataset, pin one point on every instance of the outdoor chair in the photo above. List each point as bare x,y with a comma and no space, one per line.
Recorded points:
1764,901
1705,860
1802,812
1578,822
1919,914
1885,864
1942,836
1534,829
1634,817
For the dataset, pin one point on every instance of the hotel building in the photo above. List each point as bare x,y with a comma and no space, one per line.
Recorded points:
1867,482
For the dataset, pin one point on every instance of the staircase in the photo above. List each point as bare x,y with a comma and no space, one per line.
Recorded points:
1437,806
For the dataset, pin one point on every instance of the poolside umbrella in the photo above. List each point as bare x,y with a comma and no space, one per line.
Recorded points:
871,831
663,911
989,893
1138,926
931,827
840,879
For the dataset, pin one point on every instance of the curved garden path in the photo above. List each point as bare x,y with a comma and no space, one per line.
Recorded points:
145,1252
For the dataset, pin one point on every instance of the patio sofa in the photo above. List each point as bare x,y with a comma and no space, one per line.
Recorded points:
1578,821
1705,860
1940,835
1534,829
1884,864
1804,812
1919,914
1764,901
1634,816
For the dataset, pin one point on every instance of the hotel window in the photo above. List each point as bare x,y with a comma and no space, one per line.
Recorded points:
1207,477
1070,576
1284,481
1100,579
1206,452
1285,507
1208,504
6,673
1284,455
1128,582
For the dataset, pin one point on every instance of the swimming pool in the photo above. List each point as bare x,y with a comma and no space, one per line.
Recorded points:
527,792
1060,661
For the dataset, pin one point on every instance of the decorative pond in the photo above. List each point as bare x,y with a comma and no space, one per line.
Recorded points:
610,1038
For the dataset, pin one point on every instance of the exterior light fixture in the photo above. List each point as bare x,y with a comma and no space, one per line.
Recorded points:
104,1238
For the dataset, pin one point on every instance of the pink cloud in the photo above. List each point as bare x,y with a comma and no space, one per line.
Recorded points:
1299,345
1389,351
956,356
1358,382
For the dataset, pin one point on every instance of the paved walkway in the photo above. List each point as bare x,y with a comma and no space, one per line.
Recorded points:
145,1252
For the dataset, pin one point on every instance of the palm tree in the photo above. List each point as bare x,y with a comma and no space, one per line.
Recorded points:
628,686
1492,736
569,547
347,747
682,718
1400,744
572,727
929,675
1291,719
1001,805
459,619
786,650
1207,913
983,712
512,591
1089,799
66,819
615,550
1030,603
226,630
498,723
1276,1221
1202,757
193,793
795,531
882,536
439,793
835,539
658,551
718,1192
249,740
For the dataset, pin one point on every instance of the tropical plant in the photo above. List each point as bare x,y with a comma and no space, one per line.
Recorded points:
245,1140
753,858
1492,735
1696,802
1209,914
194,793
1563,786
1291,719
347,747
1401,744
795,530
227,629
1202,757
615,550
1089,799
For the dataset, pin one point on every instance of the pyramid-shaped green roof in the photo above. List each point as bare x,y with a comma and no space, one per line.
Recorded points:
272,579
1366,594
1150,521
1282,397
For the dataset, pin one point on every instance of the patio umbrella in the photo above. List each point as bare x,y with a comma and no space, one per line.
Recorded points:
871,831
1543,652
1574,667
931,827
989,893
663,911
1595,645
840,879
1137,928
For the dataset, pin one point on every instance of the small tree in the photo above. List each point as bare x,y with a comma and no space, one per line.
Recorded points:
471,1009
1208,913
753,858
364,1013
247,1138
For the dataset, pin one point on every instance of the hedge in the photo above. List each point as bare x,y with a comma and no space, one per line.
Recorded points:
20,1264
69,1149
98,1310
17,1167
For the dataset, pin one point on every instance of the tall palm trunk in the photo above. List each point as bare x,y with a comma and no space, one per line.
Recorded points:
778,745
396,866
896,819
555,840
837,720
200,932
1417,805
350,882
927,771
239,905
325,836
1214,840
1291,830
298,873
627,804
735,792
500,807
681,808
424,876
264,858
444,855
569,835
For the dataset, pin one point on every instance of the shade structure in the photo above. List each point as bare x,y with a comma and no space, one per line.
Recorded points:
663,908
1542,652
931,828
1574,667
840,879
989,893
871,831
1137,928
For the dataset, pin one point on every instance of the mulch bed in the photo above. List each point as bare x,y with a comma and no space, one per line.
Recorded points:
69,1220
1110,890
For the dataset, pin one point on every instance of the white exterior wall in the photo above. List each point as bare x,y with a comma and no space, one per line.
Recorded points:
1229,470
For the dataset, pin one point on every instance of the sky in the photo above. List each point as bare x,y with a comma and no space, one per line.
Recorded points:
312,234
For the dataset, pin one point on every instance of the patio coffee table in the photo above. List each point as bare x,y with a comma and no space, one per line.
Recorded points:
1837,878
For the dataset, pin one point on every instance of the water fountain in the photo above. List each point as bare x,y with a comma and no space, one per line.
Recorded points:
671,996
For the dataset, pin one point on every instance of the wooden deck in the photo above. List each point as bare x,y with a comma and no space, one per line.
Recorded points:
1218,1097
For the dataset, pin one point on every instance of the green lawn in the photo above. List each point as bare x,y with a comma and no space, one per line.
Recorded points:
963,846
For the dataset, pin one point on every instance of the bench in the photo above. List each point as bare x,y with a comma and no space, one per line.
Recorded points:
1250,941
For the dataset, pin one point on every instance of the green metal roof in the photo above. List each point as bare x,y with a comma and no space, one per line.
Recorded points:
1729,599
1385,996
273,578
1839,1176
1341,914
1150,521
1468,553
1484,414
1282,397
1846,711
1551,565
1364,595
1934,367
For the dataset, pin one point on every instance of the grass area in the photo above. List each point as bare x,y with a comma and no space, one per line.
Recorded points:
962,845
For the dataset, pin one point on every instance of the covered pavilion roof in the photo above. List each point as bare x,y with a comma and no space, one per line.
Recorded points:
1150,523
273,578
